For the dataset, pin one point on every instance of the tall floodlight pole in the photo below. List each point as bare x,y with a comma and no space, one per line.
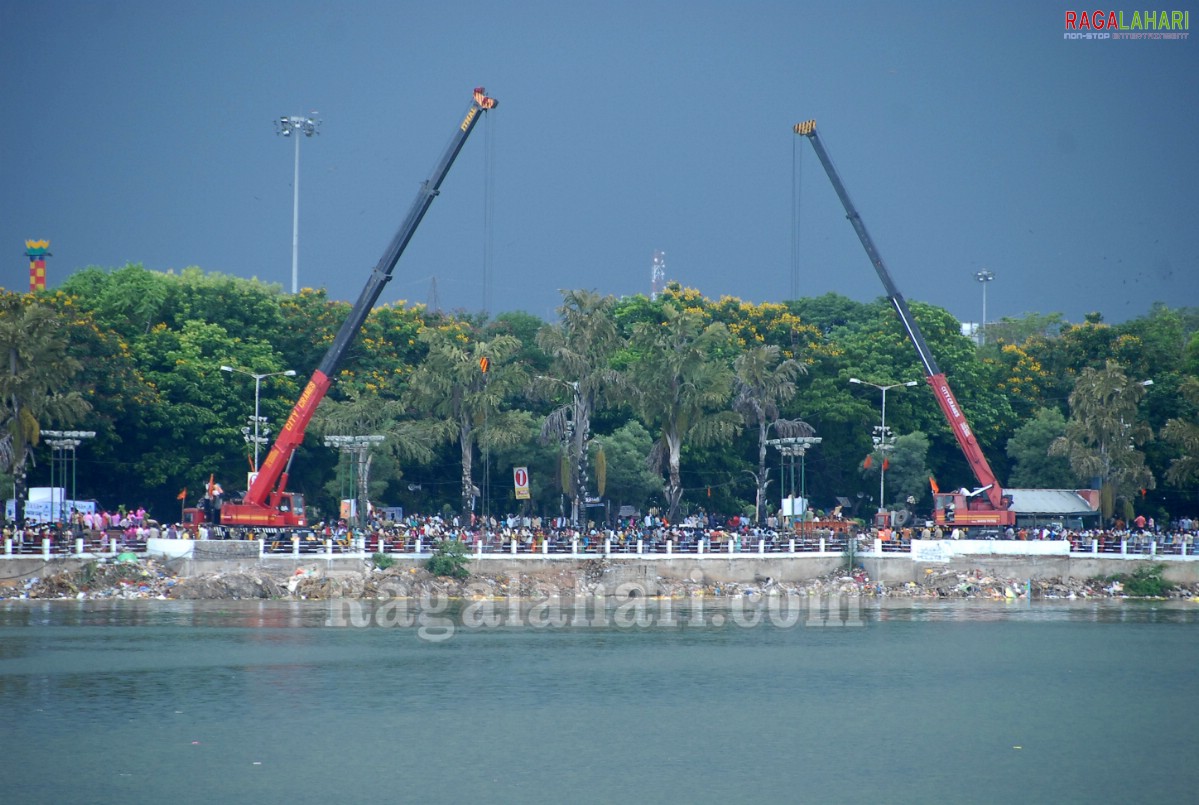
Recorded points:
984,277
883,440
258,378
287,126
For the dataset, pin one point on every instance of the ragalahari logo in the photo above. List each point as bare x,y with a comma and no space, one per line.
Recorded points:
1100,25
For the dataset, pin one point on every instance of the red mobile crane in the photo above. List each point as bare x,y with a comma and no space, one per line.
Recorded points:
987,506
268,504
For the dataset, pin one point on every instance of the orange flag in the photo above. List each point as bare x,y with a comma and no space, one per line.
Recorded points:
868,463
182,495
932,482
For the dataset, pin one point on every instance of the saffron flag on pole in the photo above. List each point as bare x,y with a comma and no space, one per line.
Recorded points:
182,494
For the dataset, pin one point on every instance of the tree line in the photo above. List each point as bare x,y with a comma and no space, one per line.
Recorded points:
673,403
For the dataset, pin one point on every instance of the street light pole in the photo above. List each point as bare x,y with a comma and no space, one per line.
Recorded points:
883,441
286,126
258,378
984,277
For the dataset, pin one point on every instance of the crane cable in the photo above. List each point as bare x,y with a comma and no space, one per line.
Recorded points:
488,208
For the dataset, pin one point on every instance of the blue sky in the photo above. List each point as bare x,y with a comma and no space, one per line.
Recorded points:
970,136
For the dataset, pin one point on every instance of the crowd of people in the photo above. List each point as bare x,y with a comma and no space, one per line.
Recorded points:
131,528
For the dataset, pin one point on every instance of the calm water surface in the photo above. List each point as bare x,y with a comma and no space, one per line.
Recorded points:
923,702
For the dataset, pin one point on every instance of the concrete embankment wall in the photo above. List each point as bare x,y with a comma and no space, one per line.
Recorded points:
219,557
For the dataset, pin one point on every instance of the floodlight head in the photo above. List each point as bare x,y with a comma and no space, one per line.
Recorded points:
911,383
290,373
854,380
226,368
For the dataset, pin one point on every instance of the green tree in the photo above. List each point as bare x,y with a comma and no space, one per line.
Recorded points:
683,384
1033,465
1103,433
370,414
36,372
464,403
581,347
907,469
630,482
1182,433
763,383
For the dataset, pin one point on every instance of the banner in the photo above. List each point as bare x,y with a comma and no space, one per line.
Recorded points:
520,480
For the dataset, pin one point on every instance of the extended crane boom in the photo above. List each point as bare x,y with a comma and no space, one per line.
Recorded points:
267,503
988,506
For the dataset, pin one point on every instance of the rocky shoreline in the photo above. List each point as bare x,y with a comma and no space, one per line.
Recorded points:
149,579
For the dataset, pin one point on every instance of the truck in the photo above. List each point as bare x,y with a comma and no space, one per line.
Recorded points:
268,505
987,507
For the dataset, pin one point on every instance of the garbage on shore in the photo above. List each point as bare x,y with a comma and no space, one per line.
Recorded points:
148,579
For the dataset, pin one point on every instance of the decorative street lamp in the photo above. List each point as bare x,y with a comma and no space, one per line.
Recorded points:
984,277
258,420
62,441
883,440
359,448
791,447
286,126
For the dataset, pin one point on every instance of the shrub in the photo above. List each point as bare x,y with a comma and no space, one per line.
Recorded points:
1145,582
449,559
383,561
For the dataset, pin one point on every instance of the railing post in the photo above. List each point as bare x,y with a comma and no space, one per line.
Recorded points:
545,547
878,545
639,547
607,546
699,546
46,548
512,546
295,545
761,546
822,545
669,547
79,546
8,546
328,547
574,546
791,545
1123,546
1153,548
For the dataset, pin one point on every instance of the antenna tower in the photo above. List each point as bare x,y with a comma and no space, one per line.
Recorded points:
658,275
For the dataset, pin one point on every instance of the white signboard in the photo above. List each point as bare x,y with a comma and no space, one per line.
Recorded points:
520,480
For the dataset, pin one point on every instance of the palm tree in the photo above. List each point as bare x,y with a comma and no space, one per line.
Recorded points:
682,386
763,383
461,388
581,347
1183,434
363,414
35,372
1103,433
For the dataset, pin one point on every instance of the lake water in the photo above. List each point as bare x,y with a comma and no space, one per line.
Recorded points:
158,701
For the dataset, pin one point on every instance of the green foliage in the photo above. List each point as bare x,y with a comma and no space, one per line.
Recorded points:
37,374
449,559
1104,431
1145,582
1033,467
682,387
383,560
150,344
